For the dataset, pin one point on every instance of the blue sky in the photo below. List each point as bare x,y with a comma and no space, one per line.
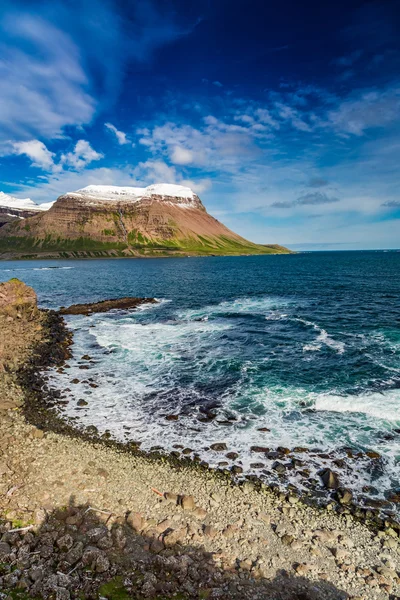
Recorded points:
283,116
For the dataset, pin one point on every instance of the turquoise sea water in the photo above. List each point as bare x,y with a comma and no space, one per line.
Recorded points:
306,345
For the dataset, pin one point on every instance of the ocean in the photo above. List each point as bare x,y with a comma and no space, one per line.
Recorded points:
285,351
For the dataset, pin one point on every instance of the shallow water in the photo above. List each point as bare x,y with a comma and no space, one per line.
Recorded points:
307,346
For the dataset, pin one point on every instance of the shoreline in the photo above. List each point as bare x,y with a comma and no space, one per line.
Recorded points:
250,533
144,256
39,411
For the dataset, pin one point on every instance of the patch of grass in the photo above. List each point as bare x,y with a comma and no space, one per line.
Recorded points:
137,242
17,594
114,590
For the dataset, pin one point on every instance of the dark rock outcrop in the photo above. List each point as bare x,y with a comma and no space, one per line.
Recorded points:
105,306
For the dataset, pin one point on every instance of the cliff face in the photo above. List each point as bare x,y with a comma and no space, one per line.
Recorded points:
8,215
160,219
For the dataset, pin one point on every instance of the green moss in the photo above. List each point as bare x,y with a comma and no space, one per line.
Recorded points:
114,590
19,523
109,232
19,595
49,243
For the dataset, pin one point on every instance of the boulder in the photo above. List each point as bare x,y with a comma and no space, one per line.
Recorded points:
17,299
135,521
219,447
188,503
329,479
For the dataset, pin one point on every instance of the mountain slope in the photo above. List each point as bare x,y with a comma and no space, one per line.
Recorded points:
161,219
13,209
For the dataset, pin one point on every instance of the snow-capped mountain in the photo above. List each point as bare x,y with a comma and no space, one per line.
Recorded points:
100,220
12,208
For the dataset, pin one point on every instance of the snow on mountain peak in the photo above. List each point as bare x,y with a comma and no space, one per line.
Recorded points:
115,192
170,189
18,203
22,203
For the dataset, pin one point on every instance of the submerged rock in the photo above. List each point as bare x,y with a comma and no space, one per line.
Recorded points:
219,447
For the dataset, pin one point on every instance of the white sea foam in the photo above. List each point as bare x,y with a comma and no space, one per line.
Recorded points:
51,268
265,305
322,338
36,269
381,406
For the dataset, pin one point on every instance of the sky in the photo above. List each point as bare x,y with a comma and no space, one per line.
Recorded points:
283,116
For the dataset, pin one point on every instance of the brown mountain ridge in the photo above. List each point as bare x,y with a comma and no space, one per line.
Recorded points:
160,220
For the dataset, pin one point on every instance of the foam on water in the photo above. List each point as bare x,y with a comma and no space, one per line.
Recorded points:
322,338
38,269
379,405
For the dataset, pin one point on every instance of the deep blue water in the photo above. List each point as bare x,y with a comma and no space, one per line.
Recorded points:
306,345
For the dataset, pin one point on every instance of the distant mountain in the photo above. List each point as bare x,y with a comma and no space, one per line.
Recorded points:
13,209
99,220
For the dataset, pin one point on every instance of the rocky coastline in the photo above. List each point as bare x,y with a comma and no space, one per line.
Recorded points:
87,516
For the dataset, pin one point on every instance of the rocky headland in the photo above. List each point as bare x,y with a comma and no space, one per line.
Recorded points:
105,306
85,518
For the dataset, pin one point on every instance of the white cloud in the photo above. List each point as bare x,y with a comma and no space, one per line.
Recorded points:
81,156
155,171
215,145
120,135
37,152
198,185
181,156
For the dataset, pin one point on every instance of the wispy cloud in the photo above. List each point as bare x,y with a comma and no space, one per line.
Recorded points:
348,59
120,135
316,198
58,70
310,199
44,86
365,110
